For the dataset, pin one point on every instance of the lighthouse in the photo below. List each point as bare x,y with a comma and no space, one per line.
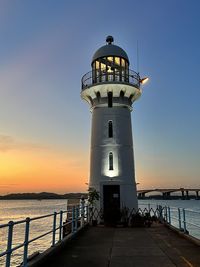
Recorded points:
110,89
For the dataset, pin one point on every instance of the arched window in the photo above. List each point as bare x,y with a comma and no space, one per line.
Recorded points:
110,129
110,161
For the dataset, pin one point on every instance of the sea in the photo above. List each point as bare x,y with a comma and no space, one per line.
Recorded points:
16,210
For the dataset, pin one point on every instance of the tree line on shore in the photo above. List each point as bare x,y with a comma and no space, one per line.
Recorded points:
43,195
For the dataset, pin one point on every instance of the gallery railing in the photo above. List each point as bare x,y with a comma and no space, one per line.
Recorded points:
92,78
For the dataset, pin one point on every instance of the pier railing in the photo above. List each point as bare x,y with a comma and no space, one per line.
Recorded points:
76,217
184,220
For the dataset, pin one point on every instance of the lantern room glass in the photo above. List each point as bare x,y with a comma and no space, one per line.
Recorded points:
110,69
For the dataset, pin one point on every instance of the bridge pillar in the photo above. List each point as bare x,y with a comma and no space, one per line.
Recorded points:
183,194
141,195
166,195
197,194
187,194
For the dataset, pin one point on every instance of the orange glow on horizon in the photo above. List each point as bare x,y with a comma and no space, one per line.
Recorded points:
43,170
31,171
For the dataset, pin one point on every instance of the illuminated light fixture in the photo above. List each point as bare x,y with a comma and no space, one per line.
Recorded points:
144,80
109,69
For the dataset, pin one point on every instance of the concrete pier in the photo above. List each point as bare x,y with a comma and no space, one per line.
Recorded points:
99,246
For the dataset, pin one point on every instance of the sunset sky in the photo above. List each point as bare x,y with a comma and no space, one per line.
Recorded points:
45,49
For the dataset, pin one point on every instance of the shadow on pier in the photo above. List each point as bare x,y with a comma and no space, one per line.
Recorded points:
100,246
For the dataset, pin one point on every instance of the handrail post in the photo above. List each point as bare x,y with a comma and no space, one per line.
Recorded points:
179,219
169,215
60,228
82,211
160,215
184,222
9,243
73,216
54,229
165,213
75,219
149,207
25,256
78,215
87,211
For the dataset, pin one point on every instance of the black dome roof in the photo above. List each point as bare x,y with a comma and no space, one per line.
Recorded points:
110,50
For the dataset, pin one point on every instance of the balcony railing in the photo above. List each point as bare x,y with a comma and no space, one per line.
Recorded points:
92,78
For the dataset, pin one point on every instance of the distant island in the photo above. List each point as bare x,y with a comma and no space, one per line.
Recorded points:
42,195
48,195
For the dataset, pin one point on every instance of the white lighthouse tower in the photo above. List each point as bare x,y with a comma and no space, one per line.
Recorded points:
110,88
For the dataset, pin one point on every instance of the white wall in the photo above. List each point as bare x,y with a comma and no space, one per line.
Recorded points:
120,145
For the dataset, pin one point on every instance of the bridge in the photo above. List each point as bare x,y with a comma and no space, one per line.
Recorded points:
166,192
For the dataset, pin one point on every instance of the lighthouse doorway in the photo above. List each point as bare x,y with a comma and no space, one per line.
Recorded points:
111,204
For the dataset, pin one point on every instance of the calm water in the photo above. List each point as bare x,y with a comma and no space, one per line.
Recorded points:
20,209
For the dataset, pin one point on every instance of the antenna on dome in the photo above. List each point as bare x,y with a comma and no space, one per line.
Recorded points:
138,57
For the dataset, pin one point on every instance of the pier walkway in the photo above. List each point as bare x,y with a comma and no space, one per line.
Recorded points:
127,247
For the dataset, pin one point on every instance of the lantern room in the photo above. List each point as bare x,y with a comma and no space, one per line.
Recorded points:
110,63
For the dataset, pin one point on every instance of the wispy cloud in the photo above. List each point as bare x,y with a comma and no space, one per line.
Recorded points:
8,185
9,143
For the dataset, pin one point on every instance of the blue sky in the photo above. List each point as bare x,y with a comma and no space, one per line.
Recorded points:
47,46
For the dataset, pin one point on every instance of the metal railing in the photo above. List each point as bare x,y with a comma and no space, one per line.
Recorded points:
91,78
185,220
76,217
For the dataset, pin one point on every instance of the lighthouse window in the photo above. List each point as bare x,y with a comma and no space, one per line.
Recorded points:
103,72
117,60
110,161
103,67
110,59
110,100
97,65
110,129
123,62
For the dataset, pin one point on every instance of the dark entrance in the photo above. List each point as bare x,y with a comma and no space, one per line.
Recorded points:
111,204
